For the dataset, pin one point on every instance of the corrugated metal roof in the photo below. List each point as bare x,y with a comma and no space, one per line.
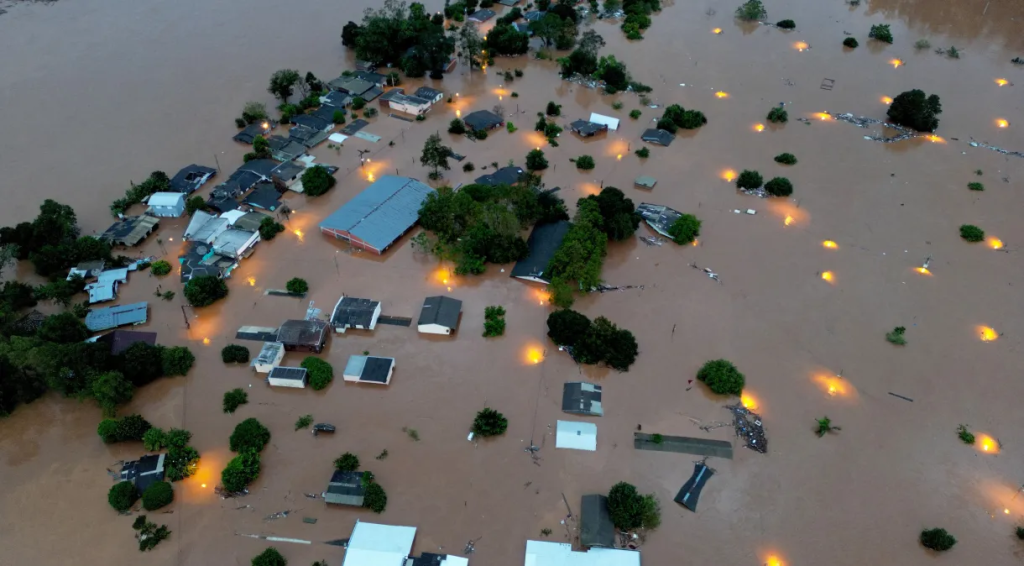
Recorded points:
120,315
166,199
373,544
543,553
576,435
596,528
441,310
543,243
612,123
291,374
382,212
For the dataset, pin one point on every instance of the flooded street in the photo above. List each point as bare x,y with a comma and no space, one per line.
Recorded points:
98,93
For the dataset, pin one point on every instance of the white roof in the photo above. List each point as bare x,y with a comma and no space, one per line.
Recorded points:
540,553
232,216
112,275
612,123
165,199
373,544
576,435
450,560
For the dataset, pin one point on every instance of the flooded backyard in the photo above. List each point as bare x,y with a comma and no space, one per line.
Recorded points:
97,93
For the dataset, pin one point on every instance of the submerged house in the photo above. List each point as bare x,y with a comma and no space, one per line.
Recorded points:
431,559
439,315
373,544
264,195
350,312
689,494
587,129
345,488
410,104
285,149
582,398
270,357
307,335
369,369
121,340
168,205
576,435
377,217
543,553
483,120
658,217
281,376
144,472
509,175
385,100
189,179
200,259
130,231
658,137
105,287
249,133
119,315
543,243
596,528
481,16
429,94
608,121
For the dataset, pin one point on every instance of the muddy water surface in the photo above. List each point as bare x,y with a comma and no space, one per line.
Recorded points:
98,92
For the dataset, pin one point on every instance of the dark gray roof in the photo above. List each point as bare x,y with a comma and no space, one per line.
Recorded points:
121,340
291,374
144,472
426,559
345,488
130,231
373,93
311,122
508,2
190,178
370,77
264,196
504,176
689,494
250,221
441,310
522,27
543,243
533,16
658,217
287,149
481,15
376,369
222,203
352,311
483,120
245,178
311,333
660,137
586,128
120,315
199,260
388,95
582,398
428,93
382,212
351,85
249,133
596,528
337,99
290,170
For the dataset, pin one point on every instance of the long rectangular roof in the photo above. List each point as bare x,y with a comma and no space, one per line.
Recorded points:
120,315
382,212
543,553
543,243
596,528
582,398
373,544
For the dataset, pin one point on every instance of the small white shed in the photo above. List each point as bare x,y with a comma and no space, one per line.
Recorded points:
287,377
168,205
410,104
576,435
612,123
270,356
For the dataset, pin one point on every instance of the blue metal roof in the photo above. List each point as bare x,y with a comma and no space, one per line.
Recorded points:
382,212
120,315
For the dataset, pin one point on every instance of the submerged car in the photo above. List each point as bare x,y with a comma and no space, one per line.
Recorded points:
322,427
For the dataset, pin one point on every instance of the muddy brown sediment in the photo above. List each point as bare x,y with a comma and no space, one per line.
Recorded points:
103,91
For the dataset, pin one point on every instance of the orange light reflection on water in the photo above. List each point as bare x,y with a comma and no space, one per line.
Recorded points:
1002,123
986,444
729,175
823,116
830,245
987,333
722,94
749,401
758,127
800,46
886,100
922,270
1002,82
994,243
828,276
935,139
834,386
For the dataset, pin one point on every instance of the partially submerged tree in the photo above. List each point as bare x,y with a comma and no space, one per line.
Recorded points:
375,498
470,45
825,426
122,496
749,180
317,180
881,33
297,286
778,115
619,219
435,155
965,435
157,495
282,83
971,233
605,342
722,377
234,399
585,163
320,373
629,510
914,109
270,228
567,327
937,539
685,229
205,290
347,462
269,557
896,336
779,187
111,389
535,160
249,434
234,354
489,422
676,117
241,471
751,11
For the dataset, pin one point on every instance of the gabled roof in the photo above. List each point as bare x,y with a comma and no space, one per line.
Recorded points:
587,128
264,196
250,221
336,98
286,149
262,167
312,122
200,259
130,231
145,471
222,203
428,93
352,311
382,212
370,369
370,76
373,544
612,123
204,227
533,16
165,199
290,170
505,176
302,332
345,488
481,15
483,120
287,373
190,178
441,310
390,94
596,528
119,315
658,217
249,133
660,137
543,243
582,398
121,340
232,242
244,178
351,85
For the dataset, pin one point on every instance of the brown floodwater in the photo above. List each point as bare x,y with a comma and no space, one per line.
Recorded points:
100,92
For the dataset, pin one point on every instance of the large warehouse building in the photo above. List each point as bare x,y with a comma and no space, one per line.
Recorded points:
379,215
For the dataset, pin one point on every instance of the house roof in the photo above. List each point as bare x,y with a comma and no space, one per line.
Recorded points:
287,373
587,128
543,553
311,122
222,203
345,488
410,100
431,559
264,196
533,16
302,332
231,242
351,85
504,176
370,76
352,311
373,544
689,494
336,98
290,170
250,221
262,167
483,120
131,230
204,227
645,181
612,123
658,217
596,528
287,148
249,133
268,353
166,199
190,178
441,310
245,177
121,340
145,471
523,27
382,212
372,369
325,113
481,15
543,243
576,435
582,398
390,94
200,259
101,291
428,93
119,315
660,137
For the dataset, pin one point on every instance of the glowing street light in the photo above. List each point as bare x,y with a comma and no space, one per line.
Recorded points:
722,94
828,276
717,31
1002,123
800,46
896,63
729,175
830,245
994,243
823,116
987,334
787,221
1002,82
758,127
886,100
922,270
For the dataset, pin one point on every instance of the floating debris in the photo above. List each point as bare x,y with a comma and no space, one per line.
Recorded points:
605,288
278,515
651,241
748,425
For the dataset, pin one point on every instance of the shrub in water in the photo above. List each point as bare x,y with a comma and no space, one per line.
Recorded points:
779,187
972,233
157,495
297,286
634,114
786,159
976,186
966,436
914,109
320,372
160,267
585,163
937,539
722,377
234,354
685,229
786,24
850,42
643,153
896,336
778,115
347,462
234,399
749,180
249,434
751,11
489,422
122,496
881,33
375,499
